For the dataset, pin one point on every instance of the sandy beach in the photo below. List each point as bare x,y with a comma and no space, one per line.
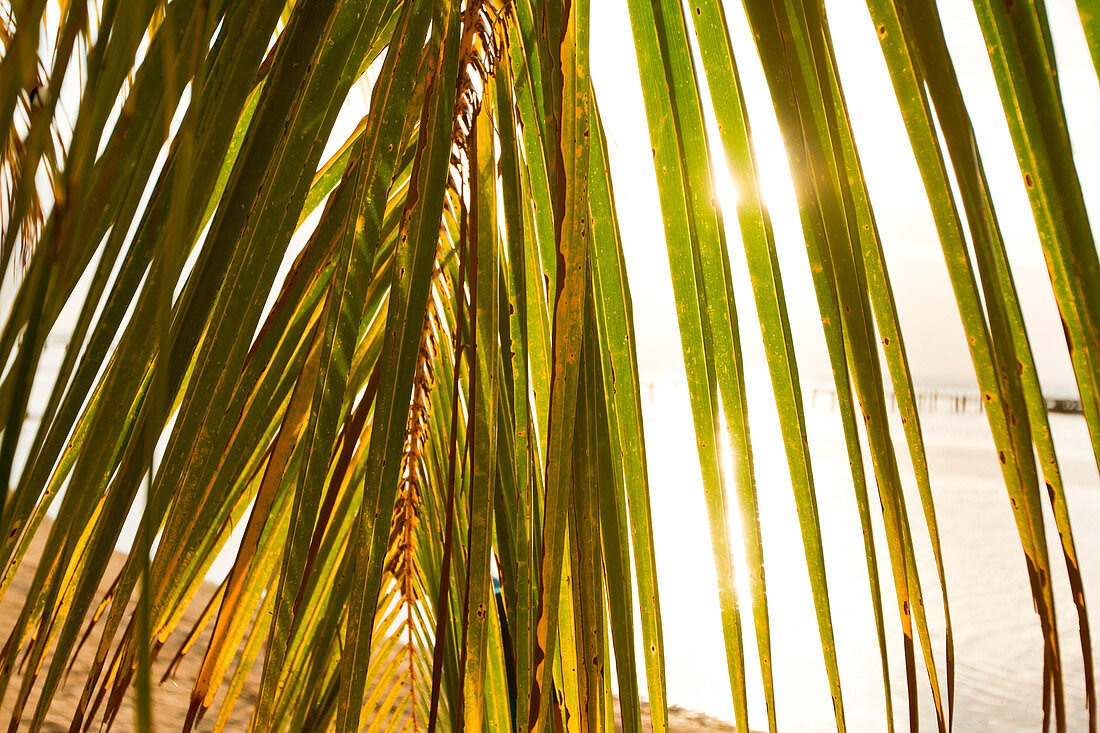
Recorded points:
171,697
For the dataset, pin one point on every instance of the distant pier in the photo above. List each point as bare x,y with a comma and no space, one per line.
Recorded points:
937,401
947,400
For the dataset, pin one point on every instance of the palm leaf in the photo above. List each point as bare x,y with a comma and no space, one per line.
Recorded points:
381,354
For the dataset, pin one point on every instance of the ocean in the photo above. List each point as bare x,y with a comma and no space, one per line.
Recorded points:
998,647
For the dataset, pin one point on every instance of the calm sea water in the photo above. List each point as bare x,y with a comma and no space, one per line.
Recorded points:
997,640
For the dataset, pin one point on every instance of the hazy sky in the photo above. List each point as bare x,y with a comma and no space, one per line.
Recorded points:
930,323
936,346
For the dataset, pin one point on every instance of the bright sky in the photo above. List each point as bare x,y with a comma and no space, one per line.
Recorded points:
936,347
930,322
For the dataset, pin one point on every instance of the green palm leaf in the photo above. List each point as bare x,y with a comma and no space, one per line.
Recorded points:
378,357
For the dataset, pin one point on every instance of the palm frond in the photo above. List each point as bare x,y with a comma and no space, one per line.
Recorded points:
378,356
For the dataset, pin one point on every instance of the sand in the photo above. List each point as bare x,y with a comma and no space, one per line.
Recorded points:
171,697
